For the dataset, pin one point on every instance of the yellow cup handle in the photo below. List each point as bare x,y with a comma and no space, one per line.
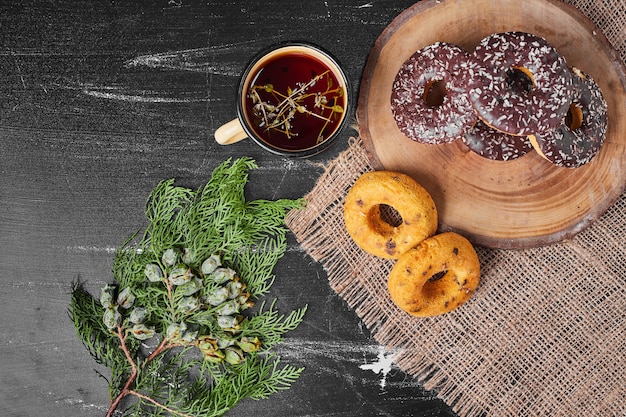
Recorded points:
230,133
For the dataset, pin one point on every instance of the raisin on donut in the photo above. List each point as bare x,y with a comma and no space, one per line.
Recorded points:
435,277
581,133
362,213
495,145
519,84
429,100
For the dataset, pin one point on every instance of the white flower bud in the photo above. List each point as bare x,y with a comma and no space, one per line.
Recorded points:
221,275
244,301
189,337
207,343
106,296
224,343
189,304
233,356
142,332
228,308
188,257
217,296
111,318
210,264
180,275
235,289
249,344
169,257
153,272
229,323
175,331
191,287
126,298
138,315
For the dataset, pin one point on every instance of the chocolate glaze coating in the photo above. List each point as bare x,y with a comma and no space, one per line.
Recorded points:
509,108
495,145
426,123
573,148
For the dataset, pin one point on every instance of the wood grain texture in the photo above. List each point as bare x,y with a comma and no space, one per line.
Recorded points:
521,203
101,101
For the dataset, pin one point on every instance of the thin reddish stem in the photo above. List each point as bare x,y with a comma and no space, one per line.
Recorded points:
133,374
164,345
157,404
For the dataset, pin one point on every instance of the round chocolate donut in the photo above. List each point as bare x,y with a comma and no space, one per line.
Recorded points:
495,145
429,98
581,133
519,84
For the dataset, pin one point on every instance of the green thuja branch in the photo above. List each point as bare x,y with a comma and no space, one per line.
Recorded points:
103,345
186,288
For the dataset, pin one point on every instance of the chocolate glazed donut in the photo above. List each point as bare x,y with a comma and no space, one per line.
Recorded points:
429,98
495,145
581,134
519,84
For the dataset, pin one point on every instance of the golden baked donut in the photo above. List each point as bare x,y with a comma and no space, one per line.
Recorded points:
415,282
362,213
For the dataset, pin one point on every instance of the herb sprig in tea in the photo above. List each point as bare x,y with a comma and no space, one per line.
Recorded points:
276,109
177,329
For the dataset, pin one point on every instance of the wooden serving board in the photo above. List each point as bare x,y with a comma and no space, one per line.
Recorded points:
516,204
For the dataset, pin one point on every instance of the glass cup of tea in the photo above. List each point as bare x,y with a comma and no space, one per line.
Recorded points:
292,100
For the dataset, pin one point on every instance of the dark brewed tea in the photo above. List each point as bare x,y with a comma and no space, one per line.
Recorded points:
294,101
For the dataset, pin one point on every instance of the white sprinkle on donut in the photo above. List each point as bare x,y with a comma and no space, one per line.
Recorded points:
495,145
521,84
452,115
578,138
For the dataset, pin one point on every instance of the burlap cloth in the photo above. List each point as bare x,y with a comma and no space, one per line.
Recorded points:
545,333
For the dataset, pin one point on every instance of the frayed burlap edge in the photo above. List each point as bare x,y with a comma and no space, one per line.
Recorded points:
543,335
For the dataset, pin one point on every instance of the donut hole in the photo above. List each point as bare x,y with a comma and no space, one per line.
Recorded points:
435,93
437,276
389,215
435,285
520,80
574,117
384,220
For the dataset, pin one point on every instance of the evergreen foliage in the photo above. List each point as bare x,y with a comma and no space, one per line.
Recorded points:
186,287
